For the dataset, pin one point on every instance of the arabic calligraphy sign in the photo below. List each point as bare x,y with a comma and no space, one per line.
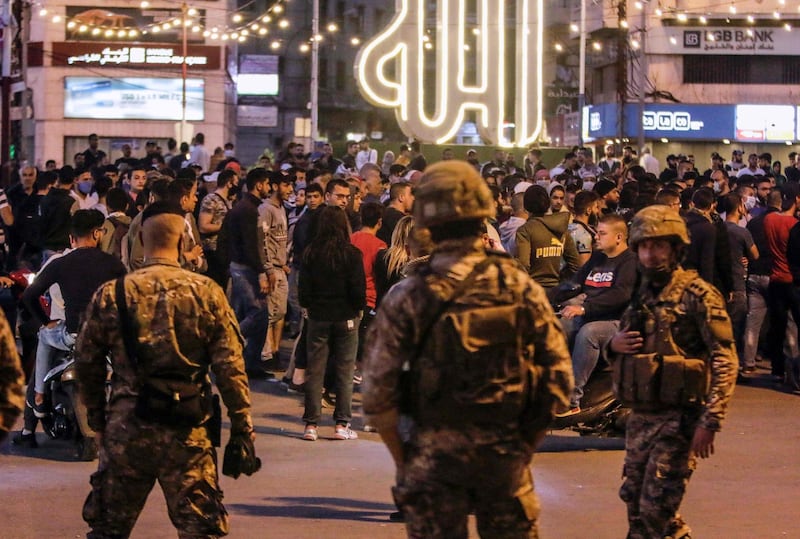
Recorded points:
722,40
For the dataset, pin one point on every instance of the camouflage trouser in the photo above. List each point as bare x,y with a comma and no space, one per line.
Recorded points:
134,456
657,470
500,492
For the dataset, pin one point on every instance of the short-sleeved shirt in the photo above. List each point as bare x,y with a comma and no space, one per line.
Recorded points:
275,225
218,207
741,241
582,236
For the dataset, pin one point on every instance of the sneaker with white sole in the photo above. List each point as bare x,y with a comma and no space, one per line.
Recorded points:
310,433
344,432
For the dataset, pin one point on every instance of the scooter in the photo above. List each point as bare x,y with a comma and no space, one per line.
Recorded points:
68,419
601,413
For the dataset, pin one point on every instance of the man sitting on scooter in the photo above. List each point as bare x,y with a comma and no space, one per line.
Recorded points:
78,274
607,281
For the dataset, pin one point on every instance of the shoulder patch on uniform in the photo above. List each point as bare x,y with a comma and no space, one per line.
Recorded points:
699,288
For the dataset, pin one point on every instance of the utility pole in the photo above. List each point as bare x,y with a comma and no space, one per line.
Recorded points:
184,15
314,90
622,67
582,72
5,93
643,72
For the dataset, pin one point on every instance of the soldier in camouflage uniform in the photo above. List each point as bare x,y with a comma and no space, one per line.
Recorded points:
12,379
184,325
486,367
678,319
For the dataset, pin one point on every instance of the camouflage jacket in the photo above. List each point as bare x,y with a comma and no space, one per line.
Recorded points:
700,328
184,326
403,317
12,379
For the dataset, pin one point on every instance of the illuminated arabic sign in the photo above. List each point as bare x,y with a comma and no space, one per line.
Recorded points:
402,46
721,40
142,56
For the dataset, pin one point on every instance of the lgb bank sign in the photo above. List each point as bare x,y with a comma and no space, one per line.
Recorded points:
719,40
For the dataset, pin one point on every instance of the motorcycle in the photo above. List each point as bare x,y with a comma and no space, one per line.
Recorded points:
601,413
68,419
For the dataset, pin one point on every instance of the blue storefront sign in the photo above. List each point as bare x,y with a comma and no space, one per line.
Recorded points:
675,122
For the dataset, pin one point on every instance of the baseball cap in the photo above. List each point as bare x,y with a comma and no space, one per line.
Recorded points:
234,166
521,187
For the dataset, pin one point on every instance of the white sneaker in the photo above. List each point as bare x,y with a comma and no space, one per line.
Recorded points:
344,432
310,433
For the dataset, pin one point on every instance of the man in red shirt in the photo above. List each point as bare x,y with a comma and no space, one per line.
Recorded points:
780,297
369,245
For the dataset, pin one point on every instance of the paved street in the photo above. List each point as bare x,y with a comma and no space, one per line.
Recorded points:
341,488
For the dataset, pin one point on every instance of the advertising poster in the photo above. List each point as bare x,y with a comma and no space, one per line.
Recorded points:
132,98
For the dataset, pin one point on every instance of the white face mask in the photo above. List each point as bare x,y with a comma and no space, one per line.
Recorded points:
717,187
228,153
750,202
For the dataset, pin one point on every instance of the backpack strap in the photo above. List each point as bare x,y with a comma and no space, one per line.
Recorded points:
125,325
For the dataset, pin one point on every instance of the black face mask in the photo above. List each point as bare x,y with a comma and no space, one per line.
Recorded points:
234,190
593,220
612,206
656,277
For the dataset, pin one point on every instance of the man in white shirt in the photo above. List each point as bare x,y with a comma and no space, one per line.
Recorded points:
752,167
649,163
365,154
199,154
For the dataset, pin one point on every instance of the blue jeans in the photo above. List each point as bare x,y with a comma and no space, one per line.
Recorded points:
591,338
341,340
756,312
51,341
252,311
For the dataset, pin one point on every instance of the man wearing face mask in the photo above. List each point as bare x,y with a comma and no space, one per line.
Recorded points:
83,191
675,365
742,247
78,274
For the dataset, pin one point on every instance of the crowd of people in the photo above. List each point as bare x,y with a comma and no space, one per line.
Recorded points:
307,246
261,233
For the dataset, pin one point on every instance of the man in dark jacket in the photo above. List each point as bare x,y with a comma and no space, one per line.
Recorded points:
55,213
543,242
251,271
702,234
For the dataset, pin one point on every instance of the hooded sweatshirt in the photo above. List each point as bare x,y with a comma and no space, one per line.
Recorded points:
542,244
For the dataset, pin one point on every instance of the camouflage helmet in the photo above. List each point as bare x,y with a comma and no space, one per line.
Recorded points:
451,191
658,221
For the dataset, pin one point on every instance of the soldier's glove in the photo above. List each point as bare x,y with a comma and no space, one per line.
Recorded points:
240,457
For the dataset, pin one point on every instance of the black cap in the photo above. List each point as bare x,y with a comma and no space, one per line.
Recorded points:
604,186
